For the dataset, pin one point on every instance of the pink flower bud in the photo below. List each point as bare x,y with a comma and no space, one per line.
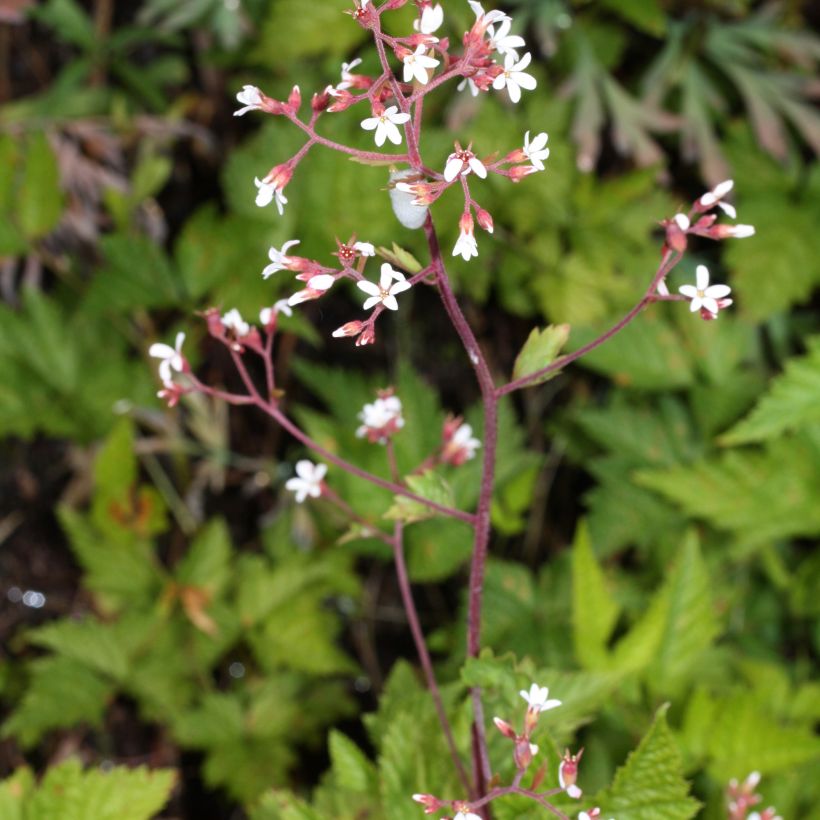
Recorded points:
484,220
366,337
321,100
523,752
295,99
520,171
279,176
465,224
568,773
349,329
504,728
342,100
431,804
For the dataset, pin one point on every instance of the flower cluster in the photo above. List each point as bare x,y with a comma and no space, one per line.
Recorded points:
381,419
740,797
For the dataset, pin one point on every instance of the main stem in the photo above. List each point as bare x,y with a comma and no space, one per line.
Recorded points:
481,538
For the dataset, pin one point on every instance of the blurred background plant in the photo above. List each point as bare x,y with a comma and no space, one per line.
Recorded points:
656,517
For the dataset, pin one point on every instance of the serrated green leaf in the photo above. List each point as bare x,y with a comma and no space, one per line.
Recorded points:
115,468
61,693
541,348
89,642
68,793
206,565
351,768
648,354
437,548
650,785
14,792
69,19
791,402
691,623
429,485
594,612
758,495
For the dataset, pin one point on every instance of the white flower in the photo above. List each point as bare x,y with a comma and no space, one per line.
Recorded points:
466,815
467,82
267,193
486,17
266,314
714,197
307,481
502,41
347,80
416,65
279,259
462,162
514,78
702,294
466,247
461,446
385,125
233,320
365,248
538,698
536,151
322,281
431,19
251,98
385,292
170,358
381,419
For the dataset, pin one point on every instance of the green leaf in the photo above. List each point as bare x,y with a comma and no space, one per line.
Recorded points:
351,768
594,612
120,793
206,565
648,354
691,622
791,402
437,548
541,348
428,485
40,201
14,791
760,496
646,15
89,642
650,785
401,258
61,693
69,19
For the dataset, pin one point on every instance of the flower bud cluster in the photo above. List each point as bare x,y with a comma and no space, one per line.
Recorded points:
740,797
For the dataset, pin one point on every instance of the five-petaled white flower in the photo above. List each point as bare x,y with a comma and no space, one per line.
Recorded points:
391,282
502,41
702,294
461,446
715,197
514,78
386,124
466,246
462,162
233,320
431,19
536,151
307,481
267,193
279,259
538,698
251,98
416,65
170,358
380,419
266,314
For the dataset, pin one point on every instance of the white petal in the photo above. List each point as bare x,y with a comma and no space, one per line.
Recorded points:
323,281
161,351
526,81
728,209
513,90
390,302
702,277
478,167
393,133
718,291
371,302
451,170
386,275
368,287
370,123
688,290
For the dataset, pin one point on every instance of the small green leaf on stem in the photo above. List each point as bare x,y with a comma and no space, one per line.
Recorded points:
541,348
401,258
429,485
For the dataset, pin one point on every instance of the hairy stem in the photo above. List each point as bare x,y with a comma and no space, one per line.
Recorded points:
424,655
